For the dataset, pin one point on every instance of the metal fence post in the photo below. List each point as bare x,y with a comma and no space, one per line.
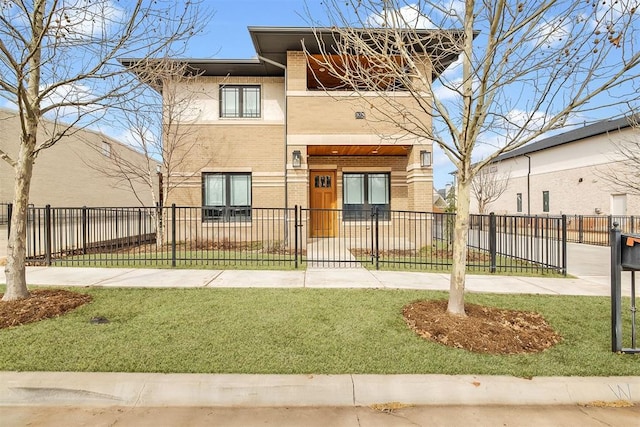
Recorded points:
173,235
580,228
564,245
610,226
84,230
377,237
9,215
616,288
295,236
139,226
633,228
492,242
47,235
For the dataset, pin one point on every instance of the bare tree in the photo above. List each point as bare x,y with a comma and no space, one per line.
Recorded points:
525,68
158,119
487,187
58,59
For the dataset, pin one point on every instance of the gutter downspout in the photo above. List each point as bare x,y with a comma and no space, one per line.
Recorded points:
286,183
528,186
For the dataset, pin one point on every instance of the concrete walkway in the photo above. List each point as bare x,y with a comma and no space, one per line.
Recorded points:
312,278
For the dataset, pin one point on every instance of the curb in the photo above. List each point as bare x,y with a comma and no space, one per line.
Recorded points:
229,390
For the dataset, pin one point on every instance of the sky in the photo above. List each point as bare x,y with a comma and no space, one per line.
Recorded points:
226,36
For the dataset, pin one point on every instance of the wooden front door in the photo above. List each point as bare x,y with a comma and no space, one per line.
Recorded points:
322,200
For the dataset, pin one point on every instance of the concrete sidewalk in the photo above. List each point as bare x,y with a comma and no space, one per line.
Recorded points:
225,390
310,278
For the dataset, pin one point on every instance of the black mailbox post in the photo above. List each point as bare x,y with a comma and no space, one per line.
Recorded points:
625,256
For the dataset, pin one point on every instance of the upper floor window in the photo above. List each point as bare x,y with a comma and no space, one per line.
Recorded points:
240,101
545,201
519,202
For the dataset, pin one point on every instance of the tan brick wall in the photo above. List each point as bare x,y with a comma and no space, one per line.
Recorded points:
240,148
321,114
257,145
296,71
396,165
73,172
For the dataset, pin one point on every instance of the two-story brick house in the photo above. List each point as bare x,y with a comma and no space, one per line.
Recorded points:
268,134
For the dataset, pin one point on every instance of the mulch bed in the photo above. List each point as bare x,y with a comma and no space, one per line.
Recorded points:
42,304
484,329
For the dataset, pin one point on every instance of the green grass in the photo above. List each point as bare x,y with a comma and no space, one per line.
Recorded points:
295,331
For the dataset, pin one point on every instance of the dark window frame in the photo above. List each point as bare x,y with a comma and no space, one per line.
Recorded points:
519,202
360,212
240,114
545,201
228,212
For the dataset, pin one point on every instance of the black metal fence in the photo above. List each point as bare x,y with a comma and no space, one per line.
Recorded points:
275,237
595,229
521,243
4,212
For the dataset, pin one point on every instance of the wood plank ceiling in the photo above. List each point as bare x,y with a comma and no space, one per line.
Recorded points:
358,150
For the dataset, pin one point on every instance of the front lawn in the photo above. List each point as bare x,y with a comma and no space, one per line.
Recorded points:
294,331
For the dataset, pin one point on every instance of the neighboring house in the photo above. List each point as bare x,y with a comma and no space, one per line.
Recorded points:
71,173
567,173
439,202
268,135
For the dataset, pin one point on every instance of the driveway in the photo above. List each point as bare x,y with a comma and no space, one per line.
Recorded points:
592,263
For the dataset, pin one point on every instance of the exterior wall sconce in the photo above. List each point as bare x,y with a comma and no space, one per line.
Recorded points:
297,159
425,159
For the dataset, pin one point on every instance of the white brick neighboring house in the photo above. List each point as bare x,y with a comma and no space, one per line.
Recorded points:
564,174
65,176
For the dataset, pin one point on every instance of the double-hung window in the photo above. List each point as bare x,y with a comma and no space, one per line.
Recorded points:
240,101
364,191
226,196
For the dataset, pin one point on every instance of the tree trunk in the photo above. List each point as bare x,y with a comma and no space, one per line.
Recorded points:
460,236
15,268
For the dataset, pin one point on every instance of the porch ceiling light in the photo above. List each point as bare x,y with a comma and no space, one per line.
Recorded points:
296,159
425,159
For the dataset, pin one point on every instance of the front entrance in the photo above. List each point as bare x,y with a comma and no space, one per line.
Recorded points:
322,202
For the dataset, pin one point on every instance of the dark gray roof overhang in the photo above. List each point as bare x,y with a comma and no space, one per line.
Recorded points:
273,43
584,132
224,67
